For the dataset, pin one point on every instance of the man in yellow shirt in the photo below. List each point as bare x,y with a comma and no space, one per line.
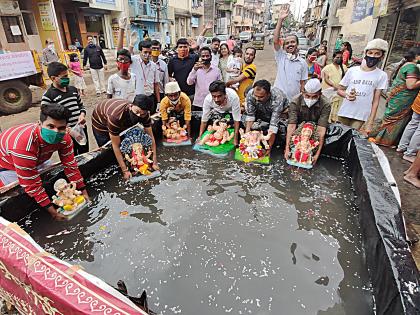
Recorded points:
247,77
176,104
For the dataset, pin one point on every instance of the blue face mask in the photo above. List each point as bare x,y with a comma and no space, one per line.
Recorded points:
51,136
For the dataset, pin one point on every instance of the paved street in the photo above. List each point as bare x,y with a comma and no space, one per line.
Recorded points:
266,69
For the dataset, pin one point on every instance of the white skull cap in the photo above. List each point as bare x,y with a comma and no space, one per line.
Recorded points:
172,87
313,86
377,43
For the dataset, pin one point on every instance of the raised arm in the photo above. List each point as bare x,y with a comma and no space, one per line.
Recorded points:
122,23
134,36
283,14
201,40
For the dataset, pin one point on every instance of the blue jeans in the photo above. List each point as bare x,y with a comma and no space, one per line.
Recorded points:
101,138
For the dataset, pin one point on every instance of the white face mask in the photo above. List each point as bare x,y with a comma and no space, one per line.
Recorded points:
174,102
51,46
291,56
310,102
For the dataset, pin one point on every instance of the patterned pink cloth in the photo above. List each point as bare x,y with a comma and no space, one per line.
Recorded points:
39,283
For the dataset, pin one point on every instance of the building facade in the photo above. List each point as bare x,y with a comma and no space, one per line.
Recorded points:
63,21
224,10
399,24
248,15
149,18
197,17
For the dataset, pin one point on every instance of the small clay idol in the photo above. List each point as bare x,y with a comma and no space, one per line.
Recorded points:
303,144
218,134
139,161
253,146
68,198
173,132
136,149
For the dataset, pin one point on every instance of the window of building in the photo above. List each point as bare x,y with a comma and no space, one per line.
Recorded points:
30,24
343,3
8,22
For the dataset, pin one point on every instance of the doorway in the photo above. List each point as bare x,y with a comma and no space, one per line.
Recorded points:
94,28
73,26
335,31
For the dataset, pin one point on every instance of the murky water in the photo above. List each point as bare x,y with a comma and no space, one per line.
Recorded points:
216,236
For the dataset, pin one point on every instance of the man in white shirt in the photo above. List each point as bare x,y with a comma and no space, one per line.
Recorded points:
361,87
292,70
122,85
147,82
215,45
162,68
219,102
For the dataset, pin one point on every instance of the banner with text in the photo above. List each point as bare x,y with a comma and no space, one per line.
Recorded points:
362,9
16,65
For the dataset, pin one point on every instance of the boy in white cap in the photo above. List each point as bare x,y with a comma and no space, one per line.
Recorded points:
361,87
310,105
176,104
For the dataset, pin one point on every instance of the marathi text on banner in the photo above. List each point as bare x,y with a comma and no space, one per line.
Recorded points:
16,65
362,9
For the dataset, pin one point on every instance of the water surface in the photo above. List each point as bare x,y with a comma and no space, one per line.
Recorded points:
215,236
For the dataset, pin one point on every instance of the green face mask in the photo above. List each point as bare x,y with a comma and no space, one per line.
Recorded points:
64,82
51,136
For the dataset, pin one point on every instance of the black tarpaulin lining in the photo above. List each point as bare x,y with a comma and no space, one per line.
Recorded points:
393,273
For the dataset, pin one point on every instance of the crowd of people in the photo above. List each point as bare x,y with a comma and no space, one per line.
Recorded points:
216,80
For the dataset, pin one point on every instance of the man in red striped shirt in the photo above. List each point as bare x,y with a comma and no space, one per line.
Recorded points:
23,148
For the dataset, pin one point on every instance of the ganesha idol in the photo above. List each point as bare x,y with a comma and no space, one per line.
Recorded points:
217,140
136,150
68,198
140,161
302,145
218,134
253,146
173,132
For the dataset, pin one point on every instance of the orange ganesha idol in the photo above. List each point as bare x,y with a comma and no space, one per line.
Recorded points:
219,134
139,161
302,145
136,149
173,132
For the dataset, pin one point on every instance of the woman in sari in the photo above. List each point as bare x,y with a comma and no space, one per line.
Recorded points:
398,111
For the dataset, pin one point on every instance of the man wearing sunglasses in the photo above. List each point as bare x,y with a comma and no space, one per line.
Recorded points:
122,85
